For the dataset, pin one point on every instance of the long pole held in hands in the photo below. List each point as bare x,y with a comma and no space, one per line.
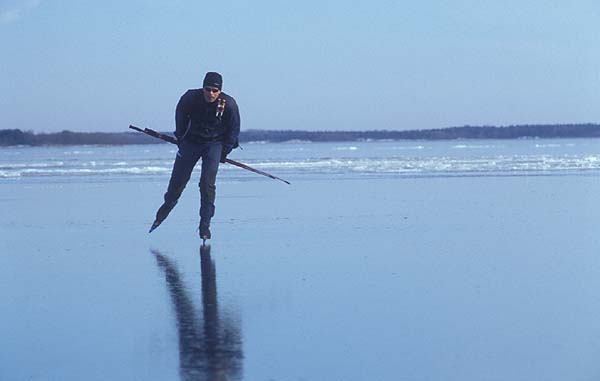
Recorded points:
171,139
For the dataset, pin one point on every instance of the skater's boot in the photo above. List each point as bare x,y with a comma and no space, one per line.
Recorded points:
204,231
162,213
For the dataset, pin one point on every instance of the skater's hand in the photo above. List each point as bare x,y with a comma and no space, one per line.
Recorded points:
224,153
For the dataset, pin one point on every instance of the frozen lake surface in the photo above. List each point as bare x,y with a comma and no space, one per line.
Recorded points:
462,260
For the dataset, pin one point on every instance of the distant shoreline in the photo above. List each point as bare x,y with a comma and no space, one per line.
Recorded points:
15,137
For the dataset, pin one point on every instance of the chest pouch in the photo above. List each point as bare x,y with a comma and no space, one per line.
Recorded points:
220,107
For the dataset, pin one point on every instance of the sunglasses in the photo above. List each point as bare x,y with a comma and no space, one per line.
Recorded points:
211,90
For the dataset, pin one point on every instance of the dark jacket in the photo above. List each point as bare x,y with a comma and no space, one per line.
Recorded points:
196,120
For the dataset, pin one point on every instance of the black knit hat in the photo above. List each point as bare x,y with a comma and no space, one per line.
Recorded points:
213,79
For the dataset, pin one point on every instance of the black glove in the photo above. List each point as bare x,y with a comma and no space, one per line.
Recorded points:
224,152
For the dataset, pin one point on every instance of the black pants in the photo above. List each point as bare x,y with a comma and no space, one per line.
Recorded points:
188,155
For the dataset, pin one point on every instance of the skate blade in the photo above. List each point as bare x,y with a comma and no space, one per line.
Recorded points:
154,226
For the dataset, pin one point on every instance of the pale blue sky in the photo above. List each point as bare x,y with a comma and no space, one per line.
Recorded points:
314,65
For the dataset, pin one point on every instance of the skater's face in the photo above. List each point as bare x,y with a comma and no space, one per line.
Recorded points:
211,94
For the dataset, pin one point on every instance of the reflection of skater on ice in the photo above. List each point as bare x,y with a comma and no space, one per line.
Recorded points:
210,347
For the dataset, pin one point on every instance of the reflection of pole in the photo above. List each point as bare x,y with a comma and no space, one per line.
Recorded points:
206,351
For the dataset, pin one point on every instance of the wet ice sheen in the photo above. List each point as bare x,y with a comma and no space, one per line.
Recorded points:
337,277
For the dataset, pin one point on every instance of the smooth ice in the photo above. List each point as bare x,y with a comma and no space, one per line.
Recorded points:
344,278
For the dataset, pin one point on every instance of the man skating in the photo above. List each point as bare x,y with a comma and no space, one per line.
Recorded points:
207,126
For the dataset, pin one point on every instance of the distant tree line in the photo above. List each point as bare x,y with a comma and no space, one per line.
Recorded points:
464,132
18,137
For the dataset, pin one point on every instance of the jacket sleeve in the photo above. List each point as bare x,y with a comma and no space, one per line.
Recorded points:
182,116
232,127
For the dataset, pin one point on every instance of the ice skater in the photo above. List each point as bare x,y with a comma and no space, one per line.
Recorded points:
207,126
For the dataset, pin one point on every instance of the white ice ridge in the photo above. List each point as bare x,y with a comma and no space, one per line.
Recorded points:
393,159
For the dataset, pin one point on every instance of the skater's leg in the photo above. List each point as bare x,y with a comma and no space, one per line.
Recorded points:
210,165
187,157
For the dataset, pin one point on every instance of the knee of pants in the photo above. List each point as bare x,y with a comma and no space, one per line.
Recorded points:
174,190
207,187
